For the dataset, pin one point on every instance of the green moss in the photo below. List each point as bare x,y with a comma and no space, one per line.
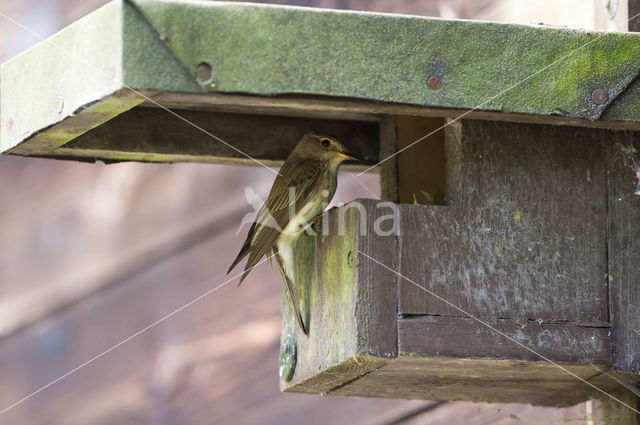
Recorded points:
517,216
266,50
147,63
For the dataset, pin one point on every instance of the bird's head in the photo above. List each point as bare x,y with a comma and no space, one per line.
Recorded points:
323,147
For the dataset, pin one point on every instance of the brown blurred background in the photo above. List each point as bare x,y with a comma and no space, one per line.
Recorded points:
90,254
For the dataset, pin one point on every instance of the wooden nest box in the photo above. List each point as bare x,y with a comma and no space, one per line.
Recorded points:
518,238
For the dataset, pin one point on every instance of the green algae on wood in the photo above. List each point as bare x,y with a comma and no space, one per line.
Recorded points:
51,81
533,73
340,304
269,50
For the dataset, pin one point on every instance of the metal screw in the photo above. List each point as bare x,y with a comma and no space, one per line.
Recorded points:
434,82
287,361
203,72
60,104
599,96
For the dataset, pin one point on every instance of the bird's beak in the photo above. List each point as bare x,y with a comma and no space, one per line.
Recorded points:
348,156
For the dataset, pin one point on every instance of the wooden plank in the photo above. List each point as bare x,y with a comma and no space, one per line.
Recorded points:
365,110
615,413
350,315
634,15
85,119
623,254
153,134
51,81
300,106
453,336
524,236
270,61
443,378
377,290
389,168
175,37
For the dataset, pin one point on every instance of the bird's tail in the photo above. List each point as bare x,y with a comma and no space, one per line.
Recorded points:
292,292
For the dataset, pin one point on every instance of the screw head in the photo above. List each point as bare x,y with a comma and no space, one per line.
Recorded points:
203,72
434,82
599,96
287,361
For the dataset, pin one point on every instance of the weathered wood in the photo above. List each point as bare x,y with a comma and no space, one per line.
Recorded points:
463,337
84,120
350,312
72,69
270,61
634,15
158,45
389,168
156,135
43,143
624,257
442,378
365,110
615,413
524,236
377,290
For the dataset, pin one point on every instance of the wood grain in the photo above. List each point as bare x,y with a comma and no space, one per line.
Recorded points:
350,306
524,234
442,378
153,131
377,290
463,337
388,168
624,252
360,109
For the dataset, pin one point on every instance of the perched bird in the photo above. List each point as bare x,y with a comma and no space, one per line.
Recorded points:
306,183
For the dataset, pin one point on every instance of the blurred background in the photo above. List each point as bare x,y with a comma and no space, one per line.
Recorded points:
90,254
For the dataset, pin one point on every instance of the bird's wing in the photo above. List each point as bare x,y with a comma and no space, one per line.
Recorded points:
274,215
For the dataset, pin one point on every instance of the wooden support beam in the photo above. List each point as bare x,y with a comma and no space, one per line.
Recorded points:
151,134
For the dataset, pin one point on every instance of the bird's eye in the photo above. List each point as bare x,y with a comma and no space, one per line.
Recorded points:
325,143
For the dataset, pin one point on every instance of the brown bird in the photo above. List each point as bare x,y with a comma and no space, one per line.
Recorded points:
305,185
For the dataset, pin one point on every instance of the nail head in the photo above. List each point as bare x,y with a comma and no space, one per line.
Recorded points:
599,96
434,82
